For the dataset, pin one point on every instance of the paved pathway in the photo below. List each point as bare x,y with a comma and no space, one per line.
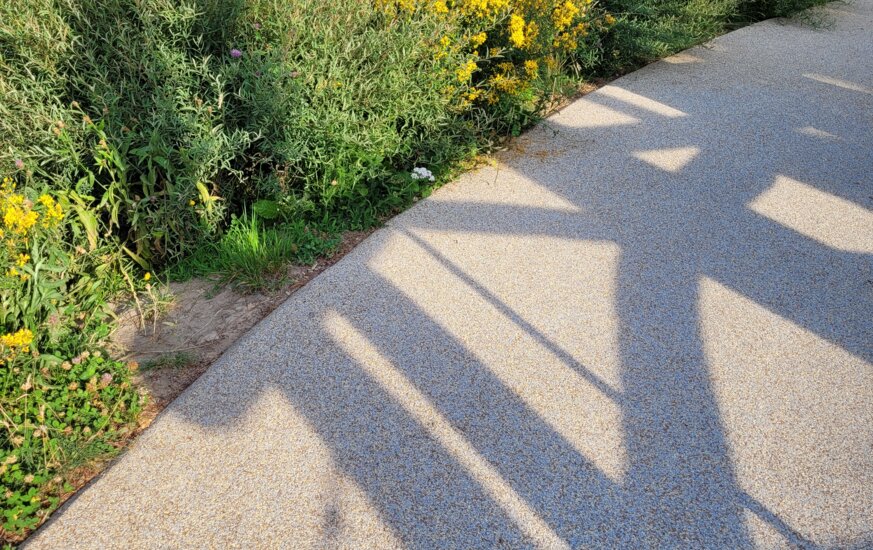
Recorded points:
650,325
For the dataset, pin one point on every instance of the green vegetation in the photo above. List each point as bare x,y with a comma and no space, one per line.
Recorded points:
175,360
58,416
198,137
255,255
648,30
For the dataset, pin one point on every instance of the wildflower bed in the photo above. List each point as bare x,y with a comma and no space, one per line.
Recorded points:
60,404
199,137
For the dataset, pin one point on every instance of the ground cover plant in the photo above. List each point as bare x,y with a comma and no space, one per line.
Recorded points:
206,137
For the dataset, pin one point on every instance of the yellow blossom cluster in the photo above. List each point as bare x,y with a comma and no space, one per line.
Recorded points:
20,221
516,30
53,213
531,68
564,14
13,343
20,215
483,9
465,72
504,46
478,39
440,6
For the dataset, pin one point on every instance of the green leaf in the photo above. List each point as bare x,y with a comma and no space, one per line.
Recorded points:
89,222
266,209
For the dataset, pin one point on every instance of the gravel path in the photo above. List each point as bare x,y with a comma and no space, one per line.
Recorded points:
649,325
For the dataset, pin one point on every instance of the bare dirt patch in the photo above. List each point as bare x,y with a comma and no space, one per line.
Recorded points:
200,322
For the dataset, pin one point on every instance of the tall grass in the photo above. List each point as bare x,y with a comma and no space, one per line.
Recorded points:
254,255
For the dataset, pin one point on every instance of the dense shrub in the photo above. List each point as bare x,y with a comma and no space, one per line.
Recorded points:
139,108
648,30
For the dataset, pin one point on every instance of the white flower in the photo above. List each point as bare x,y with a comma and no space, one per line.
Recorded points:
420,173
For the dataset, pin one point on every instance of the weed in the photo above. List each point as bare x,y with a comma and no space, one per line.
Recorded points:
255,256
175,360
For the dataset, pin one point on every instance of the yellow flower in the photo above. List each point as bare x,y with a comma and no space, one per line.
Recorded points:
516,30
609,19
18,217
505,84
483,9
440,7
12,344
566,41
445,41
22,259
466,70
191,202
531,68
147,276
564,14
53,211
531,31
478,39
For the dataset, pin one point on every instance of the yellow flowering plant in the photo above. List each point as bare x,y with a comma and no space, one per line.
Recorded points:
32,270
513,53
58,398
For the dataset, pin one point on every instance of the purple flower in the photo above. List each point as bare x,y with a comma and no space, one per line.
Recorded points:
235,53
106,379
257,26
19,164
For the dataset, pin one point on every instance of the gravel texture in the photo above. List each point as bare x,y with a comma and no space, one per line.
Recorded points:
650,324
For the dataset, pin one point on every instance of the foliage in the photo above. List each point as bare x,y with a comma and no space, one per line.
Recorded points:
254,255
51,286
648,30
162,119
515,54
54,413
56,416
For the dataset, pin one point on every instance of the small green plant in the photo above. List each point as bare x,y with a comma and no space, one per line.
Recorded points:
56,415
255,256
175,360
